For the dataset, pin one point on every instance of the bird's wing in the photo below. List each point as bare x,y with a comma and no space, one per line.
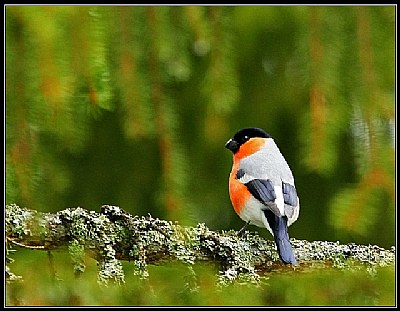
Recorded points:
263,190
290,198
269,179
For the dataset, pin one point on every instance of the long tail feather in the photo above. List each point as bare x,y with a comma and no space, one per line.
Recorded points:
279,228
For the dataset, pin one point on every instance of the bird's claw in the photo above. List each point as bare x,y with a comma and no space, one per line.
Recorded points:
241,231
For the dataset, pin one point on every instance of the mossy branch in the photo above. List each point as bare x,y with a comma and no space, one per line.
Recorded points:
114,235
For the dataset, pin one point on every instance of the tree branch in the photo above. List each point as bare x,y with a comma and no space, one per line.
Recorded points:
114,235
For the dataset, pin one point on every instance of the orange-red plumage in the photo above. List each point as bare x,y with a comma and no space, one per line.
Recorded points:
238,192
261,187
250,147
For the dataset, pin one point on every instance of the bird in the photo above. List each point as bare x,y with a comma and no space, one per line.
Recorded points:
262,188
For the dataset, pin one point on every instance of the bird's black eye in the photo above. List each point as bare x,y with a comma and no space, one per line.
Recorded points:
246,137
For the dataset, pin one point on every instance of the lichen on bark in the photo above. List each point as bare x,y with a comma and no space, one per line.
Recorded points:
113,235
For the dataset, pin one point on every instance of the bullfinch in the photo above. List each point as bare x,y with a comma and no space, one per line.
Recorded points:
261,187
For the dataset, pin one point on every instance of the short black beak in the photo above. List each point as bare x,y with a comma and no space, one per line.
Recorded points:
232,145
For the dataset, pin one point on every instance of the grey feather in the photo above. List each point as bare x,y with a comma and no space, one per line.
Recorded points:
268,163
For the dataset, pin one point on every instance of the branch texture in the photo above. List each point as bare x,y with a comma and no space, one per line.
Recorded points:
114,235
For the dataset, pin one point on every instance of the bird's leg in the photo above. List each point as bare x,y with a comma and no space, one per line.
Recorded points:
240,232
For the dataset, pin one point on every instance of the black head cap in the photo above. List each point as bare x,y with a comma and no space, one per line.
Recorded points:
244,135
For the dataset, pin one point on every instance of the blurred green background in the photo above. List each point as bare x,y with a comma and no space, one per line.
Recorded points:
132,106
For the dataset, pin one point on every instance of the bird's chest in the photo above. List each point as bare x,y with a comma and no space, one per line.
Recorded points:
246,206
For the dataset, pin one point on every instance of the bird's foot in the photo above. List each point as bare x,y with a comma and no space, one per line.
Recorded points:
241,231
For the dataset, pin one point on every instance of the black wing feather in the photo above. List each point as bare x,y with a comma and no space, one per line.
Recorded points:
262,190
289,194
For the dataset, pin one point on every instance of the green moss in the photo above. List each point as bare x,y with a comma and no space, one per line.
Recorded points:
115,235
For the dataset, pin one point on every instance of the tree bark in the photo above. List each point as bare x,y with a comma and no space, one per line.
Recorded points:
113,235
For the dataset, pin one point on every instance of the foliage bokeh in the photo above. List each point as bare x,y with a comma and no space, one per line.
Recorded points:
175,285
132,105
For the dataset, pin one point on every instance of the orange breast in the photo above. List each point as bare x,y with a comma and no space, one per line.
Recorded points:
238,192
